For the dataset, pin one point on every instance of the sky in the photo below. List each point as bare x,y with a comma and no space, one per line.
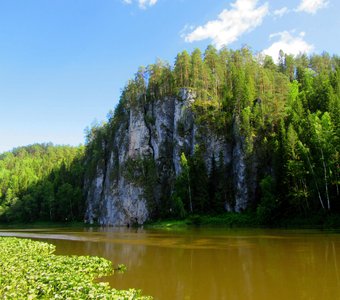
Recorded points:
63,63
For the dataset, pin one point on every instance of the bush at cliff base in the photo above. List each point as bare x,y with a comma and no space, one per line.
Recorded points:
30,270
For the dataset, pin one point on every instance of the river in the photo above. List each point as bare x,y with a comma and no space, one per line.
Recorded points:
211,263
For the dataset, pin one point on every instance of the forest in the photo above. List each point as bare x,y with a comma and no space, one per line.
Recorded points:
42,182
287,114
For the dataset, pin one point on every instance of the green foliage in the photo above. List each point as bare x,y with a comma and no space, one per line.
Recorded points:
227,219
199,181
182,69
268,208
30,270
42,182
220,189
177,208
196,191
182,196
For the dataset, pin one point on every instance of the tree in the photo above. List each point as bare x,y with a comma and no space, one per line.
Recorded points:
182,70
197,73
186,178
198,181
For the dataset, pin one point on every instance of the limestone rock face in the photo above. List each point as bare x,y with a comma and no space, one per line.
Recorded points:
239,170
156,133
114,200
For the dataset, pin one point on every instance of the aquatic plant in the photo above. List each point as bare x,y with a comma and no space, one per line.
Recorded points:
30,270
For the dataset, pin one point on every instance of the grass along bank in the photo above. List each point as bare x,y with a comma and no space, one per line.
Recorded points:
222,220
30,270
251,220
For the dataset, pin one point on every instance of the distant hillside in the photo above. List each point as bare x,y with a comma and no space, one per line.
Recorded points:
41,182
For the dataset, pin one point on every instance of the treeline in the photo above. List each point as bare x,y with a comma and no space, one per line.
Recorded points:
287,115
42,182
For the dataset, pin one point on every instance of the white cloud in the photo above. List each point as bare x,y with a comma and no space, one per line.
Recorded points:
145,3
312,6
243,17
289,44
280,12
142,3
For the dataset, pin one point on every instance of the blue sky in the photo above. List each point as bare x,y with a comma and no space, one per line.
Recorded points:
63,63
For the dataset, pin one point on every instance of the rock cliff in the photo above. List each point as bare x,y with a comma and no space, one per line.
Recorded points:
143,160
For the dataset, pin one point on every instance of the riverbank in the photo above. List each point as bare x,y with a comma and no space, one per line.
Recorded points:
40,224
250,220
228,219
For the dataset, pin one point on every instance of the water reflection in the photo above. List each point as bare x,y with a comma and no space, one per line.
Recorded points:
211,264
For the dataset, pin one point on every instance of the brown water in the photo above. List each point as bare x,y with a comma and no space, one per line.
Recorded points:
210,263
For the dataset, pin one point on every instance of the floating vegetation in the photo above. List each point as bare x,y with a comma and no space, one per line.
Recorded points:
30,270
